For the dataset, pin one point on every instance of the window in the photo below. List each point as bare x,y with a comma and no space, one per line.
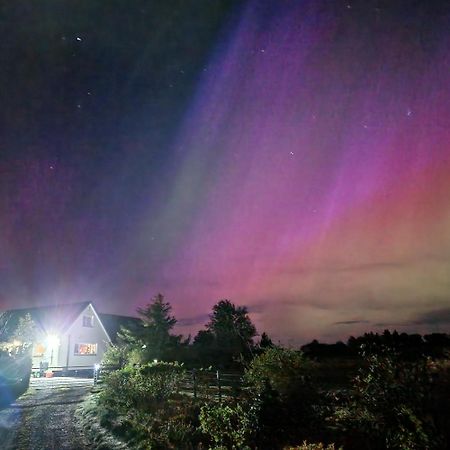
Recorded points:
85,349
88,321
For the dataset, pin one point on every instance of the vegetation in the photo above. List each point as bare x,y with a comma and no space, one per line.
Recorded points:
16,327
151,339
372,392
315,446
228,424
228,338
142,405
281,385
390,404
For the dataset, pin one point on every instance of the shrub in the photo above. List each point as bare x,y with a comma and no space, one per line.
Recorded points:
142,386
116,356
141,404
283,396
227,424
440,400
389,404
285,370
315,446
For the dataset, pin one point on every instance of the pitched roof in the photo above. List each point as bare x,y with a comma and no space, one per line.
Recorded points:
51,319
57,318
113,322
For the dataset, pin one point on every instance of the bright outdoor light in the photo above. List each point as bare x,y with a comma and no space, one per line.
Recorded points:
52,340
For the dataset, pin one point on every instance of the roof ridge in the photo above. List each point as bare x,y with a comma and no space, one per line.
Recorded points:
58,305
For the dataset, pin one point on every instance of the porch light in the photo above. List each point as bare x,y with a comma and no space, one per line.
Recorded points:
52,340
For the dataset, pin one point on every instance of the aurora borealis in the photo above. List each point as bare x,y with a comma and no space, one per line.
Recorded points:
301,168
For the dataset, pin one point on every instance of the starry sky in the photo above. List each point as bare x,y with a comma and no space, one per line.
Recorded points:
292,156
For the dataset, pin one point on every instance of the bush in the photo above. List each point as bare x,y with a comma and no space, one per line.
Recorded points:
286,371
389,405
120,356
227,424
142,386
116,356
440,400
142,405
283,396
315,446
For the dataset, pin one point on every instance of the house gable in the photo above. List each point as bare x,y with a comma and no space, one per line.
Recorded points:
72,335
85,340
88,318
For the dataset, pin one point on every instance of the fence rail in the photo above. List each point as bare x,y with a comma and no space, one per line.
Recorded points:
198,383
212,384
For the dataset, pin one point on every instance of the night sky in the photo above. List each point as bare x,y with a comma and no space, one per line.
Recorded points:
291,156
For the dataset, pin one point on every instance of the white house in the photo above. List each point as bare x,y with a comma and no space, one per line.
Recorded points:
71,336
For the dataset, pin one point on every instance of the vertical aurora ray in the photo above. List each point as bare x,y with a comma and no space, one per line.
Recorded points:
312,172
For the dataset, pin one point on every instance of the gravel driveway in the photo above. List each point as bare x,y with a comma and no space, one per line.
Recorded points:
43,418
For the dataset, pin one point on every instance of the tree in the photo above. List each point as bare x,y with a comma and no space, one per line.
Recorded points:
265,341
152,336
17,326
229,334
26,330
8,325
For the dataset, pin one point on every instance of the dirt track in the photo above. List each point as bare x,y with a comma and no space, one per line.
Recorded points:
43,418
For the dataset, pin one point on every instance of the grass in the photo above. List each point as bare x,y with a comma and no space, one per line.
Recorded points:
89,419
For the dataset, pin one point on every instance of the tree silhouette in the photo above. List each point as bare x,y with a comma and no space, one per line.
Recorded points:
265,341
228,336
152,335
17,325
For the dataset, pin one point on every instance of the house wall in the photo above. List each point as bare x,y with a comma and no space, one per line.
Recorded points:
79,333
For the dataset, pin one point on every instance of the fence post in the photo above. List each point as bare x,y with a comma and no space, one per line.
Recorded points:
194,382
96,372
218,384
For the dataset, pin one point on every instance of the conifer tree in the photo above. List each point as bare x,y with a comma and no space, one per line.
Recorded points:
152,335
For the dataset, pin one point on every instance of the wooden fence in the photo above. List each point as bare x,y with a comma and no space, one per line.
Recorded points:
212,384
199,383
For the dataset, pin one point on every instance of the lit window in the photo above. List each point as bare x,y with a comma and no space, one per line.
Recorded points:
88,321
85,349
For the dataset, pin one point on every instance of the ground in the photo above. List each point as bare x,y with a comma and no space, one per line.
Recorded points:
43,418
